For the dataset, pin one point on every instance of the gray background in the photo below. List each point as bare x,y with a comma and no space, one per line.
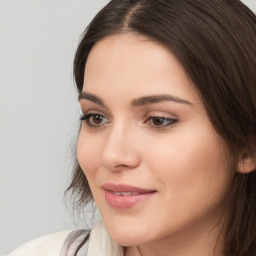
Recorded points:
38,113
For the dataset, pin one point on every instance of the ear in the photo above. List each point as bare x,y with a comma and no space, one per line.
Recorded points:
246,163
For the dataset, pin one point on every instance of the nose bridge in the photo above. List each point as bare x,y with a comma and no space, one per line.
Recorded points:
119,149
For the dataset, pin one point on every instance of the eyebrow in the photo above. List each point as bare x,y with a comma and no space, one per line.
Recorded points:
91,97
146,100
158,98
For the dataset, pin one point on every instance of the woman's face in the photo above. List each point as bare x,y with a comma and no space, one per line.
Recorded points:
155,165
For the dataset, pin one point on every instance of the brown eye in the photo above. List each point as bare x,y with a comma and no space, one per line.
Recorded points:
161,122
94,120
158,121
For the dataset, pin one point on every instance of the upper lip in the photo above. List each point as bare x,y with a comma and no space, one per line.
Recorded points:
125,188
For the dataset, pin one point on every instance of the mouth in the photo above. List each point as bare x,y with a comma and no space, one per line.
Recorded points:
125,193
123,196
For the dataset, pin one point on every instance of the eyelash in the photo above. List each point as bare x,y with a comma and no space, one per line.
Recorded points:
87,118
166,120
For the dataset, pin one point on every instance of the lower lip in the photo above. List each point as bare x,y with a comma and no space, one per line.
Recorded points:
125,202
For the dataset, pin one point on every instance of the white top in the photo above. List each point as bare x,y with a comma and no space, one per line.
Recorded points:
100,244
49,245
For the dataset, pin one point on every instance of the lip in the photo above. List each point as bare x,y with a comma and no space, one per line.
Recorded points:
122,196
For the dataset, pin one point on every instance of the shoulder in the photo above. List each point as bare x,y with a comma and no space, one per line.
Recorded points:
49,245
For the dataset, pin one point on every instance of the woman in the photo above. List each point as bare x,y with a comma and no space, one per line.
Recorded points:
167,141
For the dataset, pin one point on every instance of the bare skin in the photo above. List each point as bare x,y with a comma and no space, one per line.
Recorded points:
145,126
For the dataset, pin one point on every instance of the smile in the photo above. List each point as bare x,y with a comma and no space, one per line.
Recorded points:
125,196
126,193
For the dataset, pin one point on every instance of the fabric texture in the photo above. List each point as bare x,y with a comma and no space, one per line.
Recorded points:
49,245
70,243
100,243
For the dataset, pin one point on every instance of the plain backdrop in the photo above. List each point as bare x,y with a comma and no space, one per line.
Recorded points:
38,113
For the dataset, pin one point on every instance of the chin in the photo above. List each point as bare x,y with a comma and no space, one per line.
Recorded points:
127,240
128,235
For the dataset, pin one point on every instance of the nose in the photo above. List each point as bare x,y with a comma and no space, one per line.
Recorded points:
120,151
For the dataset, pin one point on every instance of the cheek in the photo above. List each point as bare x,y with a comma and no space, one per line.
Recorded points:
188,161
191,176
88,154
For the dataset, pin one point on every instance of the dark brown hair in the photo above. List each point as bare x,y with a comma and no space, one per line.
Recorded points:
215,41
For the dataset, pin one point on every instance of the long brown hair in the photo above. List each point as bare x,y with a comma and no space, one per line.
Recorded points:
215,41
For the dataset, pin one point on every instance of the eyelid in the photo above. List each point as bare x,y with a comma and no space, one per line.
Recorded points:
90,107
88,104
85,110
160,114
170,118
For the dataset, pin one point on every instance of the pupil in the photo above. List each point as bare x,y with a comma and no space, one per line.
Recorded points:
97,119
158,120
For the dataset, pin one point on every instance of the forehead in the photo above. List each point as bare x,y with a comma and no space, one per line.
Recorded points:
129,62
129,48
